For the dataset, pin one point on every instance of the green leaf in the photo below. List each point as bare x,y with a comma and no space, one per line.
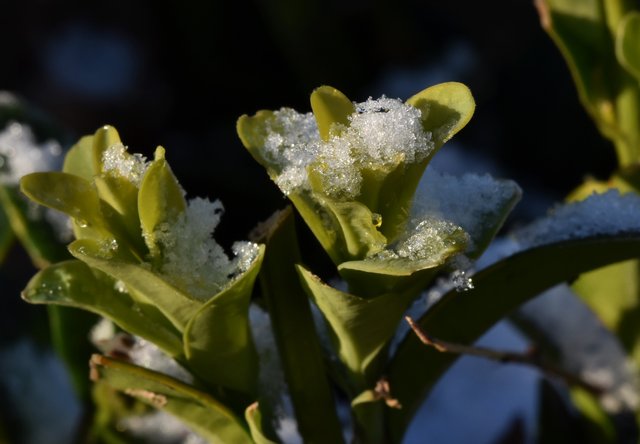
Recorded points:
200,411
330,107
498,290
254,418
36,236
217,340
79,159
74,284
613,293
6,234
389,272
145,286
67,193
293,326
598,425
583,31
628,43
122,196
359,233
361,328
161,199
446,109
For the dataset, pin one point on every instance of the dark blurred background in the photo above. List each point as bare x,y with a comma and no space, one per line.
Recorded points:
179,74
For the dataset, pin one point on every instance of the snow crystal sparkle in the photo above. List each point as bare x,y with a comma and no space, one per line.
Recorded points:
381,133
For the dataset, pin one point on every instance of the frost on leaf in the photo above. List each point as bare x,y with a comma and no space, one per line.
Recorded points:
476,203
192,260
609,213
381,134
118,162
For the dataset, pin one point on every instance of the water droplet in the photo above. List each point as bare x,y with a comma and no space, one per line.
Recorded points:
376,220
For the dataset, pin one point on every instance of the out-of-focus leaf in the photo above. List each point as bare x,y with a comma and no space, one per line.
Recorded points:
73,284
293,326
6,234
201,412
217,340
583,34
330,107
597,424
254,418
144,285
498,290
161,199
628,43
361,328
35,235
612,293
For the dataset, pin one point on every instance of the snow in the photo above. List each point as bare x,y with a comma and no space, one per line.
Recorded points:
381,133
20,154
159,427
118,162
465,201
609,213
192,260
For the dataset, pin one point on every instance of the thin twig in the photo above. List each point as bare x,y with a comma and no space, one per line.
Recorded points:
531,359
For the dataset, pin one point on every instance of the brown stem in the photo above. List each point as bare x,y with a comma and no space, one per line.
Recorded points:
531,359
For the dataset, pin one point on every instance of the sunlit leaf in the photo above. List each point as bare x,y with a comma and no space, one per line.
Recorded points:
144,285
160,200
74,284
217,339
330,107
446,109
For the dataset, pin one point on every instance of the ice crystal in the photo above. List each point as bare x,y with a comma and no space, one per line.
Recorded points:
192,260
118,162
381,134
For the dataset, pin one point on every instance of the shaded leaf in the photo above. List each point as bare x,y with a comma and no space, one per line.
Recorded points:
201,412
361,328
294,330
36,236
498,290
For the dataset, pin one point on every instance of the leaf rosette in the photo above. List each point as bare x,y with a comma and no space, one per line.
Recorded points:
145,259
